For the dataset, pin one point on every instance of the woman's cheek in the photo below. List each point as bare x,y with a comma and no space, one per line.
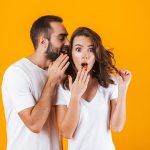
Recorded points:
92,63
76,62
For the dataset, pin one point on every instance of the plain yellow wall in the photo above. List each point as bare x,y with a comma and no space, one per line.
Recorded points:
123,25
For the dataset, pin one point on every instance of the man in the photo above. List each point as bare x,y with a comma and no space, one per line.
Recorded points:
30,85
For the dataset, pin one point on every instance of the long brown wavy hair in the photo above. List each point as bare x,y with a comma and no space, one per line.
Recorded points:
104,65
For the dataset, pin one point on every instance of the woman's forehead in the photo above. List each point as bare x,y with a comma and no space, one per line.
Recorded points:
83,41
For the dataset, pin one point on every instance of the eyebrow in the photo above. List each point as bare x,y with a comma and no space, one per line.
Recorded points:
82,45
63,34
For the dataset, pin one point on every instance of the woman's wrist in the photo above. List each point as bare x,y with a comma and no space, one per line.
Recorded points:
75,97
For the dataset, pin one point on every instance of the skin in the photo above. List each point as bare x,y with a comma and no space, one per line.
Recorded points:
85,86
82,52
35,117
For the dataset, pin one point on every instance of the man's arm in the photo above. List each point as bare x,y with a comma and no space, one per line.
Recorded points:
35,117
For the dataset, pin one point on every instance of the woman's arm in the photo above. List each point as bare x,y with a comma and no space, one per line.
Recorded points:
58,117
118,107
67,118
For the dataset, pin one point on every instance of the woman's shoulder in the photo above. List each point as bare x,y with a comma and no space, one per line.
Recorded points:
63,95
113,77
62,89
64,92
110,87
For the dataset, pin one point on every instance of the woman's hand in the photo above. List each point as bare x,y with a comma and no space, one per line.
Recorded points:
79,86
123,78
118,108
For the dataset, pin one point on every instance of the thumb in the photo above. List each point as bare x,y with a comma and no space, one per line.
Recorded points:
119,79
70,81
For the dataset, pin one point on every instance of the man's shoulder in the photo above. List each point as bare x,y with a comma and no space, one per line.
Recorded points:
15,69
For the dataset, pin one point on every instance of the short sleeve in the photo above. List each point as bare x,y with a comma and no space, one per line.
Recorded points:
16,87
61,98
114,89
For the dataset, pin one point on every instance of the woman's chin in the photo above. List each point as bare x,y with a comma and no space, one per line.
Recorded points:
86,69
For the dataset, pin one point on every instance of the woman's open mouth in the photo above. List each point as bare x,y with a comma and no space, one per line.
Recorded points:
84,65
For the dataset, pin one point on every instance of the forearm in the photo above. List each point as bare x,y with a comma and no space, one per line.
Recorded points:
119,114
71,119
60,142
41,110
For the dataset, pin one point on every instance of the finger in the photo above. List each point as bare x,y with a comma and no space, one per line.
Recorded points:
119,77
87,80
70,81
85,76
127,72
65,67
81,75
78,74
60,59
63,62
121,73
50,65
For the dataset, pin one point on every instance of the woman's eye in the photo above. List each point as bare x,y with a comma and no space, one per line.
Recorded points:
78,49
91,49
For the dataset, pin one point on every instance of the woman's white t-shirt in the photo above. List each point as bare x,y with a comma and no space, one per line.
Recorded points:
93,130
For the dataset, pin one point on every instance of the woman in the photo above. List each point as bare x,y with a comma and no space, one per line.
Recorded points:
88,104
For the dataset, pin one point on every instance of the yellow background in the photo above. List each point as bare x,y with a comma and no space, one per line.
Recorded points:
123,25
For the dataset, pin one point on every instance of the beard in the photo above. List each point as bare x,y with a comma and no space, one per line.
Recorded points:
52,53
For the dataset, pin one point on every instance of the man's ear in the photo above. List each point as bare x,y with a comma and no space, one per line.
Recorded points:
43,42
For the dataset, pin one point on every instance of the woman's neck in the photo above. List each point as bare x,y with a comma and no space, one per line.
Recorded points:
92,83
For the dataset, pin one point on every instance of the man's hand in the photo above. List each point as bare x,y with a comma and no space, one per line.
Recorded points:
57,68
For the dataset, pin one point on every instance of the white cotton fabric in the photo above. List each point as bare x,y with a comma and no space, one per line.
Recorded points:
93,130
21,88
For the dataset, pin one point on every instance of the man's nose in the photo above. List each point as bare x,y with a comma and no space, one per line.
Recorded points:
67,42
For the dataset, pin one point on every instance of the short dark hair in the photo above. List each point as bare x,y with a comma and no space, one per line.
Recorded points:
42,26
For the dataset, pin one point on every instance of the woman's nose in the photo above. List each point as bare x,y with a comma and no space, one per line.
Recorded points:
85,56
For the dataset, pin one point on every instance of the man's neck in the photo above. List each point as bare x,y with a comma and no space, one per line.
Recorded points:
39,60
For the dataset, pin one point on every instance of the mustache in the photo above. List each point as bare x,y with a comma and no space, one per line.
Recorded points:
53,54
65,49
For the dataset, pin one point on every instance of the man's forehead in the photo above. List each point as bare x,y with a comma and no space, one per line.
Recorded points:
58,28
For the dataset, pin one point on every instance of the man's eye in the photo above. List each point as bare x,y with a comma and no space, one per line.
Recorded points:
62,38
78,49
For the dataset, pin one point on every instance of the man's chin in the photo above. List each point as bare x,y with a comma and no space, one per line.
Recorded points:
52,56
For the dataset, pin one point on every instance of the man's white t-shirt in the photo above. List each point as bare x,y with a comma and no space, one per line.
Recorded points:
93,130
22,86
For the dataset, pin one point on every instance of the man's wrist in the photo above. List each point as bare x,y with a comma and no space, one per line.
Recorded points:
52,83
